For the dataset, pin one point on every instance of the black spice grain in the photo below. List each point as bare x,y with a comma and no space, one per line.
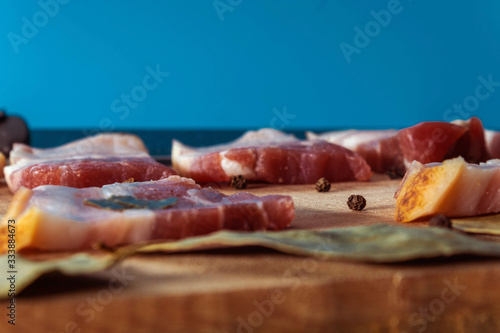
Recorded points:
238,182
440,221
356,202
323,185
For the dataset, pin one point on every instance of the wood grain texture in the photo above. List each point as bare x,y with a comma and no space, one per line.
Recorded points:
256,290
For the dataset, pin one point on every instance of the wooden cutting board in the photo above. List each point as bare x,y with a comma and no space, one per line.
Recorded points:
257,290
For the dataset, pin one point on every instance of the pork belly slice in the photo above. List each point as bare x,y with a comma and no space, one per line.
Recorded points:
57,218
454,188
380,148
93,161
104,144
426,142
270,156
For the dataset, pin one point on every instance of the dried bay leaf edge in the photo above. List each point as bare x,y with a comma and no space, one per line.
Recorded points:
129,202
487,224
380,243
27,271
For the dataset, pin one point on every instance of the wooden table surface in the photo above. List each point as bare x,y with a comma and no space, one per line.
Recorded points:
252,289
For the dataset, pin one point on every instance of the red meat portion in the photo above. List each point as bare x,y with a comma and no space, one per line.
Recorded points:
92,161
88,172
437,141
65,221
390,150
278,158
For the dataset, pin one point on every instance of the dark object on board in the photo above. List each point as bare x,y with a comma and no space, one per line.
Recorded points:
238,182
356,202
323,185
12,129
440,221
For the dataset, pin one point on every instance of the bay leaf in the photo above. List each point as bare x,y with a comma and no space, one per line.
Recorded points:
144,203
106,204
379,243
130,202
27,271
487,224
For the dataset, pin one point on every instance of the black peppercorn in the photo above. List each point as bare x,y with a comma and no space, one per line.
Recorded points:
356,202
396,173
440,221
323,185
238,182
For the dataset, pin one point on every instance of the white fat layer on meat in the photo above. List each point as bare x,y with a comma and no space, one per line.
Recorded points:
58,232
460,122
363,137
233,168
258,138
102,145
193,195
127,189
7,173
115,189
488,136
67,223
495,161
99,147
472,185
260,206
407,163
10,171
182,157
475,184
352,139
23,163
334,137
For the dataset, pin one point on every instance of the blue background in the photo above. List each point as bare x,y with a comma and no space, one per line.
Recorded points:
242,67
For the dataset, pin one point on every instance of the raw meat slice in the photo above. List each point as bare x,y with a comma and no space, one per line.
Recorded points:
270,156
379,148
437,141
104,144
93,161
492,139
85,172
472,146
454,188
426,142
57,218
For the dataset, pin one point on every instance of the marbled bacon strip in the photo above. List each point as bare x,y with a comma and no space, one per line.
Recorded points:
92,161
454,188
270,156
58,218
